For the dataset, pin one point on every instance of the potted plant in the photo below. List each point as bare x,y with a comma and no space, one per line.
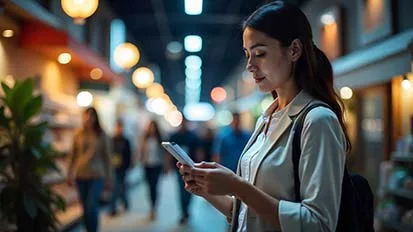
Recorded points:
26,202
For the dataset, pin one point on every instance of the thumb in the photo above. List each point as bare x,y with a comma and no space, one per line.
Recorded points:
204,164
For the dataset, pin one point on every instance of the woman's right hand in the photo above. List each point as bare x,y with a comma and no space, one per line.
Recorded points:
190,184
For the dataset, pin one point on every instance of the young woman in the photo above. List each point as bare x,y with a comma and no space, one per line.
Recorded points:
152,158
284,61
90,166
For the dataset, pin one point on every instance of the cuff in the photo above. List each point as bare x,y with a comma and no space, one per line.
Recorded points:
289,215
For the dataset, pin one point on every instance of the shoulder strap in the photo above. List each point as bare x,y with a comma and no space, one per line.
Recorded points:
297,146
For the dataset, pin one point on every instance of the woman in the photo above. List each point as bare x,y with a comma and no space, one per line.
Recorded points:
152,159
284,61
90,167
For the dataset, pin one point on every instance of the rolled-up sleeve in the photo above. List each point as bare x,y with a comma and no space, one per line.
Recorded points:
321,171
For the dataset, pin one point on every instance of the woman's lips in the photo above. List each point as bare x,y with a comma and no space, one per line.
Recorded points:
258,79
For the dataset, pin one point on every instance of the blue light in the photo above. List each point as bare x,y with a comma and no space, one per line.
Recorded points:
193,7
193,43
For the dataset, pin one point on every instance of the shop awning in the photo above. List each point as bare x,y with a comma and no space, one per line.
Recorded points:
51,42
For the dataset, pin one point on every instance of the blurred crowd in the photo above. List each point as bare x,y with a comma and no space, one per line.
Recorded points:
100,164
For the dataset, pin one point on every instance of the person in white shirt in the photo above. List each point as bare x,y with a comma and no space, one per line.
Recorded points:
284,61
152,158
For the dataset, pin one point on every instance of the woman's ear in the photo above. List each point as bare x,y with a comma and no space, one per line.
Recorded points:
295,50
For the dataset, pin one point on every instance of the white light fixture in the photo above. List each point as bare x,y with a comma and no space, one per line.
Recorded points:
193,62
96,73
327,19
406,83
8,33
126,55
193,83
84,99
143,77
199,111
193,73
193,7
79,10
193,43
64,58
346,93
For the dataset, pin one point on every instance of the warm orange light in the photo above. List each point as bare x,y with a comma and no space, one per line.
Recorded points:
126,55
142,77
8,33
96,73
154,91
218,94
64,58
79,10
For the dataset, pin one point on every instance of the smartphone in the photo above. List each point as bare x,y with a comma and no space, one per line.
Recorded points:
179,153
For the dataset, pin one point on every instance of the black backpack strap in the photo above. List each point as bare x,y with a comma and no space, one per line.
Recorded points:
297,146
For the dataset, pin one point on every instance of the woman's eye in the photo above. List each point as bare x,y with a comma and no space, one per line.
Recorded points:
260,54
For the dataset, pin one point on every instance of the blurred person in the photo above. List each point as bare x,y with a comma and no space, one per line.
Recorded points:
152,158
121,161
90,166
206,145
262,196
189,142
229,145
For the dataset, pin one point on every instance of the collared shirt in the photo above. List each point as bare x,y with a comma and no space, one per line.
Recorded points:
250,160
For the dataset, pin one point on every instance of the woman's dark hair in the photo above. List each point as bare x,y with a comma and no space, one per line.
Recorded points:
313,71
96,125
157,131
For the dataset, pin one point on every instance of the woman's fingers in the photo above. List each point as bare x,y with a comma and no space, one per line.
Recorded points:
204,164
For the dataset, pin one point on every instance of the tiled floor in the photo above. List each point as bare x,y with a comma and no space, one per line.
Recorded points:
203,216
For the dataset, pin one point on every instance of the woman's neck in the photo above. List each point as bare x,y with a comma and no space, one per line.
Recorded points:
286,94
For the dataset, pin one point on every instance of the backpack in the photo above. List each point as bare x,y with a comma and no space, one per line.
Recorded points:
356,207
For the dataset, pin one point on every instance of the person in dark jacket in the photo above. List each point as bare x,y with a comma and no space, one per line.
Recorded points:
121,161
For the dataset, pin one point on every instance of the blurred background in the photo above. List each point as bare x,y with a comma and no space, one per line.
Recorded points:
165,60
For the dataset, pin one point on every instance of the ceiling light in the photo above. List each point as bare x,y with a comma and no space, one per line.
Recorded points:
8,33
96,73
64,58
406,83
193,73
193,43
327,19
142,77
79,10
126,55
193,62
154,91
346,93
218,94
84,99
199,111
193,7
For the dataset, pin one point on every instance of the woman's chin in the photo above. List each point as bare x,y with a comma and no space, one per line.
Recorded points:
264,88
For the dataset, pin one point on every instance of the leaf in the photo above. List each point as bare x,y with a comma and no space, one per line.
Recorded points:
30,206
34,133
6,88
22,93
32,108
4,121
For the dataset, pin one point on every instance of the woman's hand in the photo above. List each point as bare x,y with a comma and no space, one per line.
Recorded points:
209,178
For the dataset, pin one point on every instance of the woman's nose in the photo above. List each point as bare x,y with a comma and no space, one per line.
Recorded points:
250,67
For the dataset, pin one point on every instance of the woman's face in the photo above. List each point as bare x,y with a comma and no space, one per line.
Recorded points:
267,60
88,119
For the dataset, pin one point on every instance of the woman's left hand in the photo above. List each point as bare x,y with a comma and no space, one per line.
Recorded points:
213,178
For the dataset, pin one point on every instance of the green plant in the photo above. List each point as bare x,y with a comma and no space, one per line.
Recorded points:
25,201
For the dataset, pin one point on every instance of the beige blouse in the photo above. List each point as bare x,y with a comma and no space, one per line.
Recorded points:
91,156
